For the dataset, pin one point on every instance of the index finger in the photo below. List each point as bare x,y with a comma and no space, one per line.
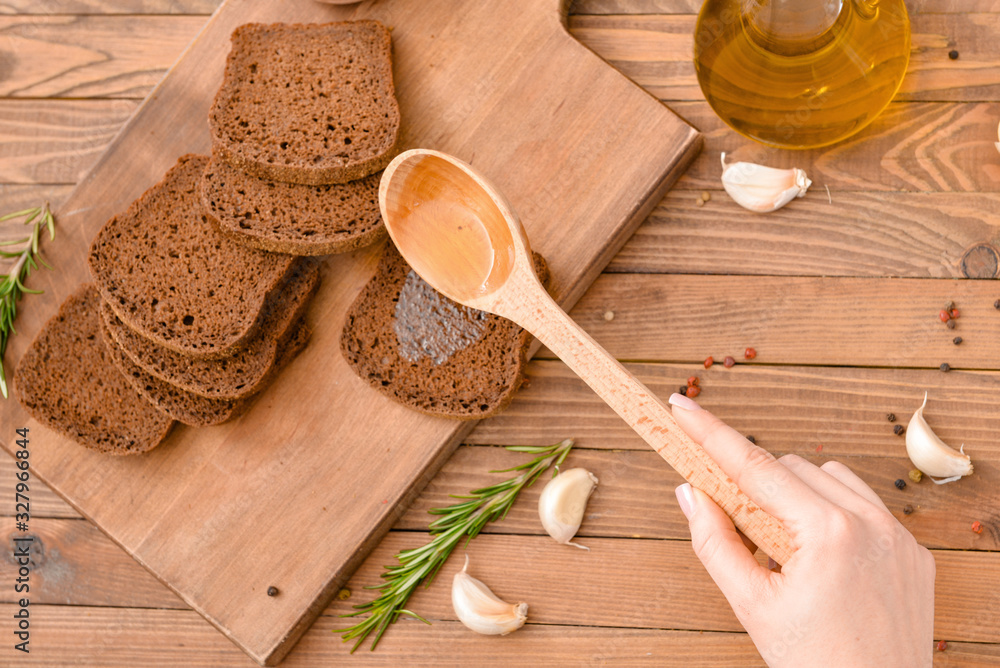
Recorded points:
767,482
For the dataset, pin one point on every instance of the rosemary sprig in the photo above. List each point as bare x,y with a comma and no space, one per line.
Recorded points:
12,284
465,519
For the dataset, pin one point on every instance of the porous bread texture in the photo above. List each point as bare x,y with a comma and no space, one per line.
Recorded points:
240,375
289,217
475,382
170,275
311,104
67,381
189,408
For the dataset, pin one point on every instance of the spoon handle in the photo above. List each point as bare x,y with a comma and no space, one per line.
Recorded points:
533,309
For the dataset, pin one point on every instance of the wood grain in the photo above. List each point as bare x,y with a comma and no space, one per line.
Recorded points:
788,409
889,234
56,142
92,56
915,7
349,477
86,7
793,320
656,51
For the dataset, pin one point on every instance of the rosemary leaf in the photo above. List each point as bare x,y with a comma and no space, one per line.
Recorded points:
12,284
458,521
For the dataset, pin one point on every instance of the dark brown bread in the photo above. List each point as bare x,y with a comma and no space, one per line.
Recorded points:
292,218
233,377
427,352
170,275
67,381
309,104
190,408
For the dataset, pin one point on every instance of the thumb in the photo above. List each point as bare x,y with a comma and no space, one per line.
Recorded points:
719,547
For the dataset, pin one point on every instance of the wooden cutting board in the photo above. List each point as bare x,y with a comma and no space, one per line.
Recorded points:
298,491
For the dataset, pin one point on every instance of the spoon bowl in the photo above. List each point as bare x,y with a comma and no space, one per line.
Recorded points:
462,236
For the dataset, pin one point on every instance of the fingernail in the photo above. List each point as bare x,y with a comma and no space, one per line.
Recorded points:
681,401
685,499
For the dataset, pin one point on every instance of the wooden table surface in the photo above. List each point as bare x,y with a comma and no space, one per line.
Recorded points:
832,292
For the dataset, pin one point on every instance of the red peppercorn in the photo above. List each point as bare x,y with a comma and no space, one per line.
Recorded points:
729,362
693,381
709,362
953,313
977,526
694,391
945,316
942,645
749,353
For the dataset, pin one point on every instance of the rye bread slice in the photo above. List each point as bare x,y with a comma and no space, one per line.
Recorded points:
67,381
292,218
233,377
170,275
425,351
189,408
311,104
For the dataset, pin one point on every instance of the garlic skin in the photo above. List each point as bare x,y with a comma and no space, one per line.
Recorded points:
932,455
762,189
480,610
563,502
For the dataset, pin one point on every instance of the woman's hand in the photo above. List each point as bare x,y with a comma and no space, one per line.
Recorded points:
859,590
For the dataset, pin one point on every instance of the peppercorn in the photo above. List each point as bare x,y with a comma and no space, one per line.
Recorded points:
749,354
708,362
729,362
344,594
916,475
683,390
977,526
943,315
900,483
907,509
953,313
942,646
752,439
953,54
957,340
898,430
693,380
609,315
996,304
945,367
693,391
891,417
272,591
949,306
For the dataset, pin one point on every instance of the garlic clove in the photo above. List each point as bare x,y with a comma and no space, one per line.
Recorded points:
563,502
762,189
932,455
480,610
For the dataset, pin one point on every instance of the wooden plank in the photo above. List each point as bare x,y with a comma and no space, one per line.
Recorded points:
792,320
72,563
656,52
293,463
56,142
911,146
44,502
16,198
92,56
915,7
84,7
915,235
520,568
634,498
787,409
101,637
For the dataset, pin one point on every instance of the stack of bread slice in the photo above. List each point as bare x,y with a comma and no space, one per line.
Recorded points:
304,121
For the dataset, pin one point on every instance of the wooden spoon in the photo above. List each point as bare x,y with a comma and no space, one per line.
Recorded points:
461,235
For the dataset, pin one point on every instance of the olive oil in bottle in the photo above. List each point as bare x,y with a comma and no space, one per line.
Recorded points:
800,73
